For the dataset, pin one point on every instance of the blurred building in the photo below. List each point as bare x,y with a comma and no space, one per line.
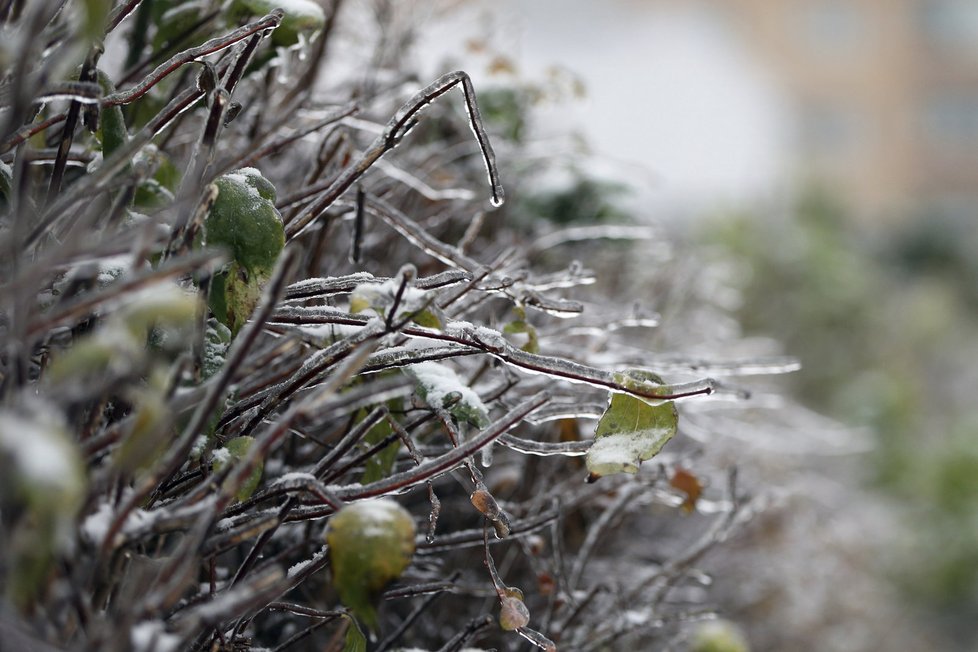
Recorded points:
884,95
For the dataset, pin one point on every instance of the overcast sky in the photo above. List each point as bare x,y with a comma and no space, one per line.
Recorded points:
673,99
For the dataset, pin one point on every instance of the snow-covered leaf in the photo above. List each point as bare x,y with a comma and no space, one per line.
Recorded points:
439,385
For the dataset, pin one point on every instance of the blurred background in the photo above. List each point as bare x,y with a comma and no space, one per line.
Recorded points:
821,158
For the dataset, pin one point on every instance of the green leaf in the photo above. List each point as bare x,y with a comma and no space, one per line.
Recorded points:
96,16
521,327
438,385
43,484
355,640
630,431
234,451
301,16
168,306
112,132
244,221
158,190
428,319
370,544
146,439
379,465
174,24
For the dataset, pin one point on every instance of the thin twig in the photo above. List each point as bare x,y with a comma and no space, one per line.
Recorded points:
396,129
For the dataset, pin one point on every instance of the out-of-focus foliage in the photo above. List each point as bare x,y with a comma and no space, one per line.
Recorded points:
886,326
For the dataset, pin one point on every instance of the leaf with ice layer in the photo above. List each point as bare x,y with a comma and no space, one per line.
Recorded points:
158,190
513,613
521,326
146,436
439,385
112,131
165,311
217,341
244,221
630,431
175,23
370,544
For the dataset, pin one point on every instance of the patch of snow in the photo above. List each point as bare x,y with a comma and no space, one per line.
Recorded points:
95,527
151,636
198,448
109,269
295,569
617,452
491,338
40,449
240,180
459,329
220,456
378,516
380,296
295,476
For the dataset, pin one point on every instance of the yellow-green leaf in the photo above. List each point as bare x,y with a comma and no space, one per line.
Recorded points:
513,613
428,319
370,544
719,636
630,432
355,641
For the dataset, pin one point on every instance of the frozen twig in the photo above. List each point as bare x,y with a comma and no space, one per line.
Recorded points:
396,129
493,343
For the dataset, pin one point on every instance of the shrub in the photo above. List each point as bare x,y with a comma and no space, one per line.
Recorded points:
246,359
